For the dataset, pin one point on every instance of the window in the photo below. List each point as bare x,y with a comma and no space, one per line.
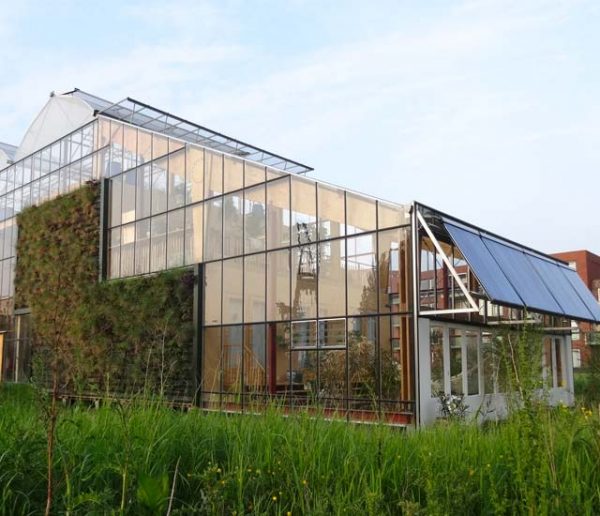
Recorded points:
576,358
436,350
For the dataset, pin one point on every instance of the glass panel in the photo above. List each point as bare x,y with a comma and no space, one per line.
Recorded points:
254,288
332,378
36,166
212,293
159,186
143,191
116,149
87,173
233,176
361,214
253,174
195,174
303,376
304,211
279,359
558,357
304,282
436,349
394,271
144,147
54,158
74,175
160,146
115,201
87,143
127,250
391,215
332,278
490,364
211,364
396,363
362,359
114,253
274,174
254,219
128,199
193,234
158,249
278,213
213,229
332,333
471,342
522,277
233,276
175,145
304,334
362,274
255,359
278,285
103,133
213,169
142,246
233,217
177,186
484,265
232,361
332,222
456,360
4,290
27,171
129,147
547,366
175,238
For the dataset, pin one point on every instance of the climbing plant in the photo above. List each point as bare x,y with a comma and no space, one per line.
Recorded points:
119,336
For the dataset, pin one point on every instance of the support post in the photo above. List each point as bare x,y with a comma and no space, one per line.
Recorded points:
103,247
198,333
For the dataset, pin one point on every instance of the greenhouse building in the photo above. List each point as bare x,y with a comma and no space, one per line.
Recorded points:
293,290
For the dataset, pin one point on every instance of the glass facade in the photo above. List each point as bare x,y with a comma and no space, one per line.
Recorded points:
306,294
314,301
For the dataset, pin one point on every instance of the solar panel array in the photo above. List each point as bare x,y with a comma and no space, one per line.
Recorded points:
517,276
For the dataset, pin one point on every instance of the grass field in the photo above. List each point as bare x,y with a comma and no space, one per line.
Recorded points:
143,457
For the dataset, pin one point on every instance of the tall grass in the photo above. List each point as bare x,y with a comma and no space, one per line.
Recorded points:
128,459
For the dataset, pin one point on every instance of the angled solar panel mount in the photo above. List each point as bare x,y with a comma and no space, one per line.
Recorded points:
517,276
447,262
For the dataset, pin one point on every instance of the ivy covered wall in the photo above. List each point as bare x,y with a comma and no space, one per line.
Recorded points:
117,337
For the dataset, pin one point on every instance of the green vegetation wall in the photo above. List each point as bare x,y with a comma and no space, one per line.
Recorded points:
120,336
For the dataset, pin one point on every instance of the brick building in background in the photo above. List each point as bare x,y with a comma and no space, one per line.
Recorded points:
587,264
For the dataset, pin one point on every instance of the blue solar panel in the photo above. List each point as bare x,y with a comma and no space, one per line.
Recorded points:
517,276
523,277
483,265
582,291
560,287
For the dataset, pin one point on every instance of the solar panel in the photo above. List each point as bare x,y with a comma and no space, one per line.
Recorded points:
483,265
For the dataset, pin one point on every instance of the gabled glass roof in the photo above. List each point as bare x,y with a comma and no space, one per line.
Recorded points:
9,150
515,275
145,116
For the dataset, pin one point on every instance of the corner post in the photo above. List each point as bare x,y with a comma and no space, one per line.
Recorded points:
415,240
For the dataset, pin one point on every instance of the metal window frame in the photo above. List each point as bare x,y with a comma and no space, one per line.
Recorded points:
448,263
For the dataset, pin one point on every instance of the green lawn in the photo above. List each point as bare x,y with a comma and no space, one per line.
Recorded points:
118,459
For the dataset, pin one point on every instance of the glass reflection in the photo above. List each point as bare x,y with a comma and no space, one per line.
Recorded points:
362,274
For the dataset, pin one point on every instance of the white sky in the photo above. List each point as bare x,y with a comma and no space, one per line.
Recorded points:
488,110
